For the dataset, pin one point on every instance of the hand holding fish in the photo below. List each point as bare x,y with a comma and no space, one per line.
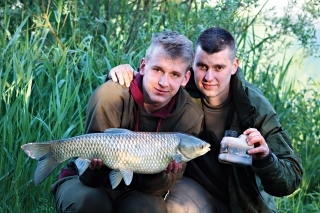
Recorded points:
173,167
255,138
96,163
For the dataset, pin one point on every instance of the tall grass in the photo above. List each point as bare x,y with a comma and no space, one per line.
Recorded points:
42,98
55,53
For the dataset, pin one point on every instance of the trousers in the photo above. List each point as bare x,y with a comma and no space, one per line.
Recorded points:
73,196
186,196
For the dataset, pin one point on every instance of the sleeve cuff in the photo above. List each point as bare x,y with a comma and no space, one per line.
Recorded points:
95,178
263,162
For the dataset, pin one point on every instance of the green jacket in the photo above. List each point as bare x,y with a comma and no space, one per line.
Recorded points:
251,189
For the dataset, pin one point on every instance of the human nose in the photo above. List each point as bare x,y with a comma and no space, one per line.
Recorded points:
209,75
164,81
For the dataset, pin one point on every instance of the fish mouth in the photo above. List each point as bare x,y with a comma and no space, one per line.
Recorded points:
207,149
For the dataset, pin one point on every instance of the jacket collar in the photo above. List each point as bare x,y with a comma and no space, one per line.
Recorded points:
244,107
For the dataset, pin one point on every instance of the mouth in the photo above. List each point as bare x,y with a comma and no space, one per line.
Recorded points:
160,91
209,86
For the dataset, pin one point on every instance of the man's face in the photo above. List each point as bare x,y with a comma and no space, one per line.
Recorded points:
212,73
163,77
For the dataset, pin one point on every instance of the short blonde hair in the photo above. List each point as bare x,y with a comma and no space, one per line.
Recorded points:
176,46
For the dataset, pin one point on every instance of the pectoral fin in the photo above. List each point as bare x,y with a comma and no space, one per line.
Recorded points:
177,158
82,164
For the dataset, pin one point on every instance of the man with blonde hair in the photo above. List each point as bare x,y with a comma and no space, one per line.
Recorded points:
155,102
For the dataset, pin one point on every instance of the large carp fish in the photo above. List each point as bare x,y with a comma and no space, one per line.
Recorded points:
124,151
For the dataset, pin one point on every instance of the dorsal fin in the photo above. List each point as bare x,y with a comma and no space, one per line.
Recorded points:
117,130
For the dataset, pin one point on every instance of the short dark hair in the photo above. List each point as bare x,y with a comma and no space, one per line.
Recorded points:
216,39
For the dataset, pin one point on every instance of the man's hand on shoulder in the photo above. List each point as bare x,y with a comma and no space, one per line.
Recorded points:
123,74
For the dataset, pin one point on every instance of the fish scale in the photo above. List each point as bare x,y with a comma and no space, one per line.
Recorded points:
120,154
122,150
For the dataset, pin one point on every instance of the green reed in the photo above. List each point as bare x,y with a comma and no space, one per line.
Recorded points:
55,54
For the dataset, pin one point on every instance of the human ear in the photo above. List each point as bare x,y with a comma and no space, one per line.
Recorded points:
142,66
186,78
235,65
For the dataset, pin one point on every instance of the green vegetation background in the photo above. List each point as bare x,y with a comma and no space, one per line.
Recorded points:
54,53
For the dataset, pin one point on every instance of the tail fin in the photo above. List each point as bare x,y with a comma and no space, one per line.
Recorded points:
46,164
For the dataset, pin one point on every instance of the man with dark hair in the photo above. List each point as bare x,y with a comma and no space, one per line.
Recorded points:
229,102
155,102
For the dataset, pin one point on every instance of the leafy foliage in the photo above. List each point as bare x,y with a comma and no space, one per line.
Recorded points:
54,53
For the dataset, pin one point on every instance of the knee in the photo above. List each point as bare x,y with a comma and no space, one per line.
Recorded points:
137,202
188,196
73,196
91,201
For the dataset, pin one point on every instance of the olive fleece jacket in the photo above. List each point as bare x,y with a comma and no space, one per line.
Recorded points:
114,106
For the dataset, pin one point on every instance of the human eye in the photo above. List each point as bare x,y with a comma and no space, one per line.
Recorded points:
156,69
176,75
202,67
219,68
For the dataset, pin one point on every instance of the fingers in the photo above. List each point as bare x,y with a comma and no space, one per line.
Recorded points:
173,167
128,75
169,168
255,138
112,75
118,76
122,73
262,151
176,168
96,163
